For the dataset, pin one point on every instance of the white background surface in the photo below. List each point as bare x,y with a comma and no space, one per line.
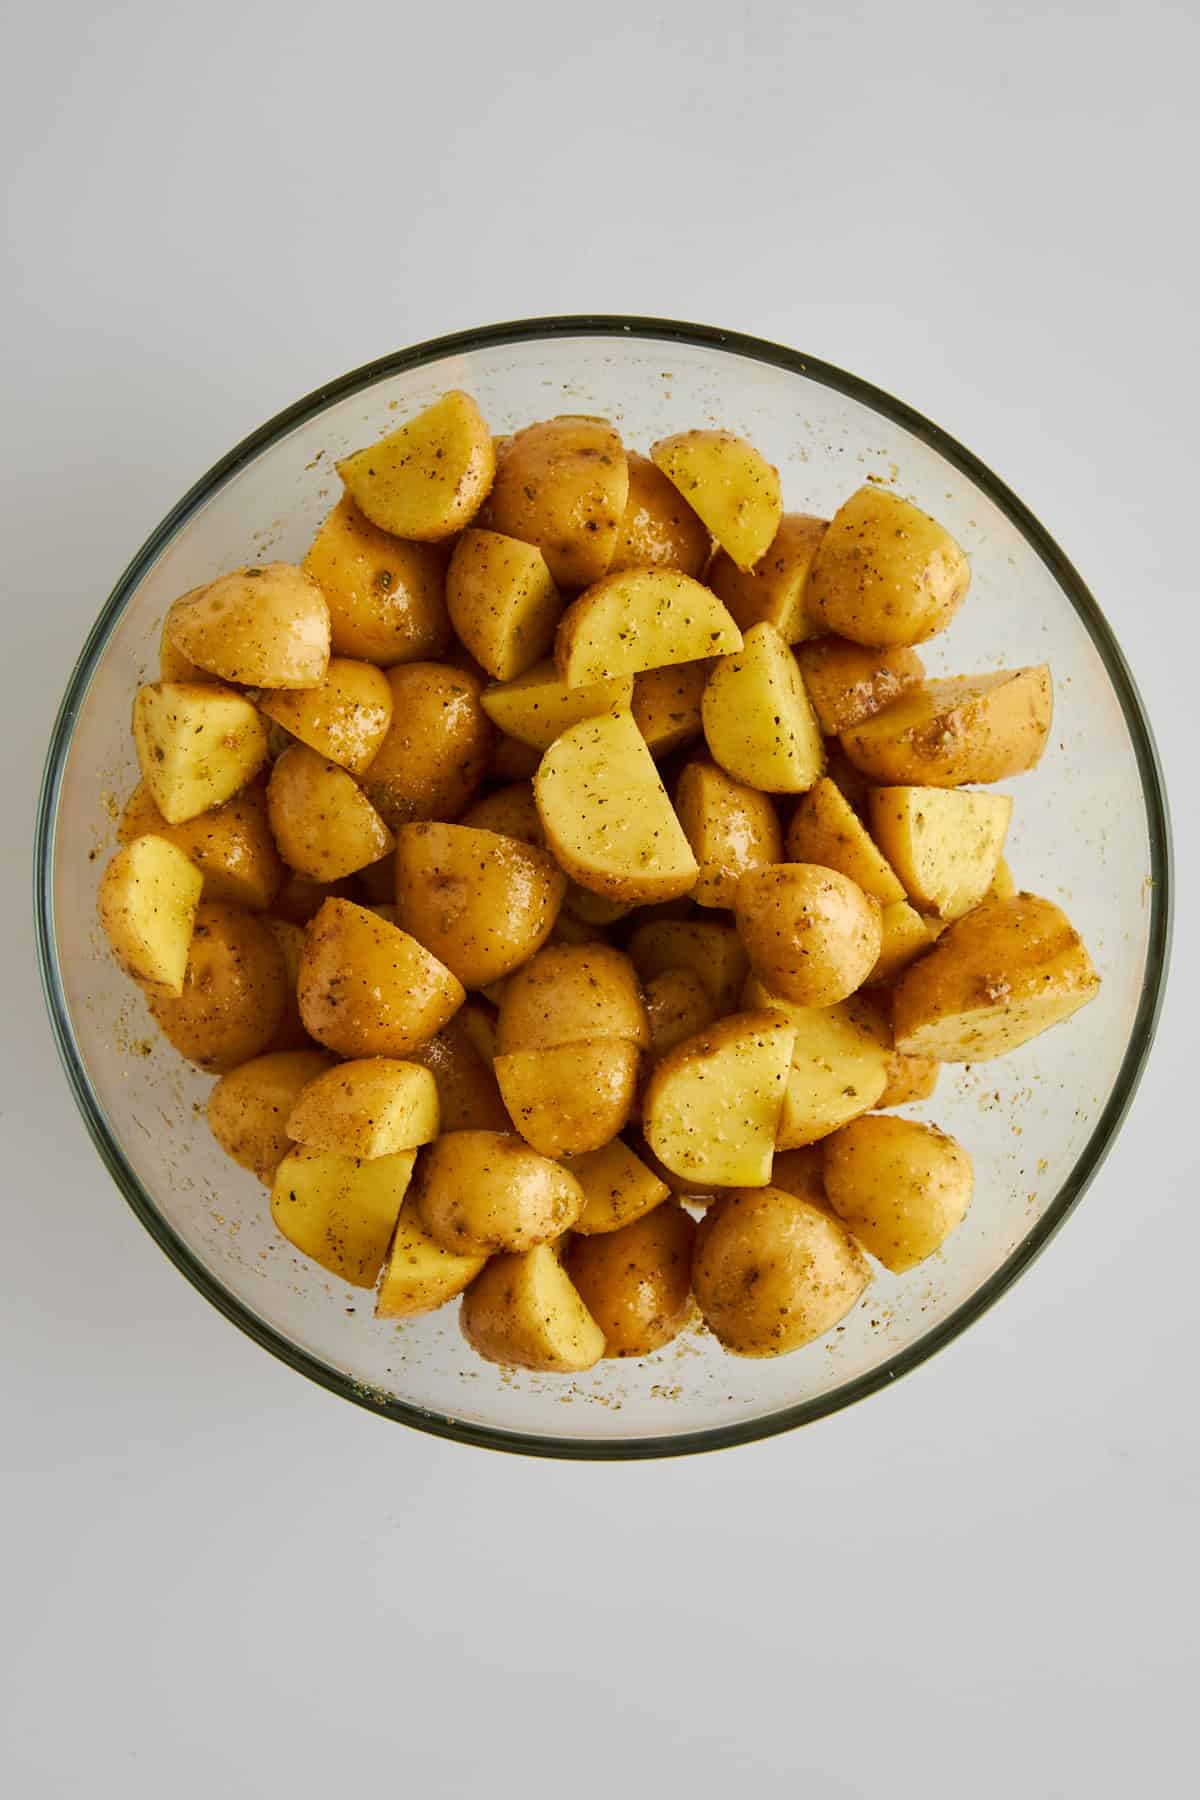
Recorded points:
222,1581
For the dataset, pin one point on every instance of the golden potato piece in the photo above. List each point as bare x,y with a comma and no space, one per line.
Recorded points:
323,823
289,1033
944,844
537,707
300,899
712,1105
729,484
618,1188
592,909
711,951
173,665
826,829
772,592
909,1078
730,827
637,1281
848,683
757,718
197,744
572,1098
502,601
563,484
248,1108
386,596
904,934
231,846
510,811
606,815
1002,887
678,1005
773,1271
433,759
996,978
811,934
477,1192
339,1211
345,718
468,1095
900,1187
419,1276
841,1060
572,994
367,1108
147,903
658,528
234,991
264,626
666,704
885,573
524,1311
429,477
640,619
970,728
369,989
481,902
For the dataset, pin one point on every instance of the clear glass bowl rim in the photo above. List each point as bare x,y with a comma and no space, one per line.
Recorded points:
1158,830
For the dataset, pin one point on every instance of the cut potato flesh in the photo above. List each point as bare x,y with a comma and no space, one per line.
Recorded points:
502,600
617,1188
713,1104
419,1275
943,843
197,744
525,1311
427,479
826,829
537,707
345,718
967,728
729,484
666,704
368,1108
573,1098
641,619
773,590
905,934
339,1211
147,903
758,720
839,1069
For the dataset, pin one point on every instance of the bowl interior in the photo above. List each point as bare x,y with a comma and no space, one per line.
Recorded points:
1088,831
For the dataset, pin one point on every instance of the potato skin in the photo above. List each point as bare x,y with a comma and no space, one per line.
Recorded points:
885,573
731,828
968,728
468,1095
481,902
502,601
433,759
263,626
323,823
900,1187
848,683
773,590
248,1108
570,994
345,718
524,1311
386,595
510,811
772,1271
571,1098
563,484
367,988
826,829
478,1192
811,934
678,1005
234,991
637,1281
658,528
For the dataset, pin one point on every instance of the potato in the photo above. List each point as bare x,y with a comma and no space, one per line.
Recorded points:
773,590
636,1282
904,934
711,951
730,827
678,1005
512,760
850,782
537,707
970,728
825,829
757,719
197,744
575,931
386,596
147,903
429,477
848,683
419,1276
841,1060
231,846
525,1311
289,1033
773,1271
732,487
641,619
1002,886
173,665
511,811
433,759
658,528
248,1108
368,1108
234,991
606,815
300,899
592,909
712,1105
666,704
900,1187
480,1191
344,719
811,934
502,601
339,1211
265,626
885,573
618,1188
572,1098
996,978
571,995
909,1078
323,823
481,902
944,844
468,1096
563,485
369,989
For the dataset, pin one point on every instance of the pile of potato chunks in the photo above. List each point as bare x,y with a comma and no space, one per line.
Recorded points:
574,843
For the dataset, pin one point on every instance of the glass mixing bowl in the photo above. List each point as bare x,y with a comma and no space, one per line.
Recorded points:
1089,830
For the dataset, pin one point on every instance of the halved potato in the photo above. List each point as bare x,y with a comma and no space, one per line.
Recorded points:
367,988
840,1066
147,903
386,595
658,528
811,934
367,1108
345,718
419,1275
773,590
758,721
538,707
640,619
729,484
234,990
248,1108
904,934
712,1105
481,1191
848,683
885,572
606,814
482,902
710,951
323,823
503,602
572,994
666,704
678,1005
636,1281
468,1095
197,744
510,811
433,759
264,626
231,846
826,829
617,1186
429,477
943,843
563,484
731,828
996,978
525,1311
969,728
900,1187
339,1211
572,1098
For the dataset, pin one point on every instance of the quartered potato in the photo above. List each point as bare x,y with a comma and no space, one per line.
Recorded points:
234,990
345,717
367,1108
525,1311
758,721
658,528
563,485
386,595
231,845
432,761
731,828
249,1108
147,905
477,1192
419,1275
640,619
900,1187
968,728
510,811
636,1281
848,683
904,934
826,829
323,823
367,988
729,484
943,843
571,994
772,592
263,626
537,707
841,1062
197,744
666,705
503,602
885,573
483,903
429,477
712,1105
618,1187
571,1098
812,935
339,1211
